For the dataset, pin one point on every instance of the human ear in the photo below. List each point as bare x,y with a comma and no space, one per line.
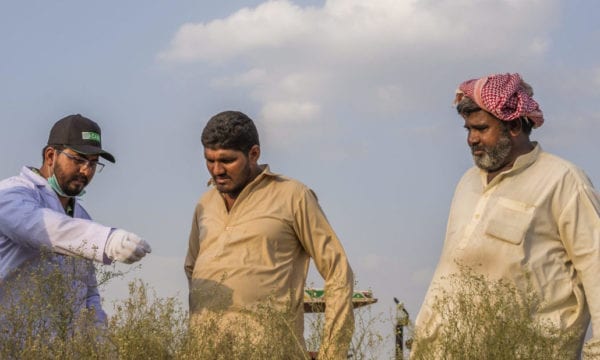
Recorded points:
254,153
49,156
515,127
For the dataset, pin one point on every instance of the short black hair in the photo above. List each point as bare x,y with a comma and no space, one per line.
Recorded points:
232,130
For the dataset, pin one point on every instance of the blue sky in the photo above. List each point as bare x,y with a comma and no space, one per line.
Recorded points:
353,98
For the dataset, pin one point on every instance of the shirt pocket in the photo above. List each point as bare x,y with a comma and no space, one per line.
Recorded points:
510,220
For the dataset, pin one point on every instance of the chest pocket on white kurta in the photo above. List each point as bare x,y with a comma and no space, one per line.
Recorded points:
509,220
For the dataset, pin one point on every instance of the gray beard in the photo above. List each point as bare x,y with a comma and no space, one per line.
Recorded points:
494,157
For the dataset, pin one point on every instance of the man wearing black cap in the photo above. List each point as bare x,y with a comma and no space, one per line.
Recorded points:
44,228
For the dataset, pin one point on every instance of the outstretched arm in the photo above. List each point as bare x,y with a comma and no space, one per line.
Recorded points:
27,223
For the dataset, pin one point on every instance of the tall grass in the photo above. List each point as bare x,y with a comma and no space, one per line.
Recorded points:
485,319
45,321
367,341
41,319
43,313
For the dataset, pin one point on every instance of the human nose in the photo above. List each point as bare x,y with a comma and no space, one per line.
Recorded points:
217,168
472,138
87,168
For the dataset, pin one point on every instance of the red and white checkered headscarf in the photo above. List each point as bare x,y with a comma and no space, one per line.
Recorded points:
502,95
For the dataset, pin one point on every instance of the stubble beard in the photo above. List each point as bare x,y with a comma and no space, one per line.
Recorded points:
66,182
494,157
236,189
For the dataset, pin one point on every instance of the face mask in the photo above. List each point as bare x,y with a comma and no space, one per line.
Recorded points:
56,187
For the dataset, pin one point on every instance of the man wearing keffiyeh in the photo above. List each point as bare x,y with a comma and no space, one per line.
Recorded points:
521,215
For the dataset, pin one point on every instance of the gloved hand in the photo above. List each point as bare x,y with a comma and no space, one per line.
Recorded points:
126,247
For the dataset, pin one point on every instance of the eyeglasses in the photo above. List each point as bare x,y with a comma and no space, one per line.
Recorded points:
79,161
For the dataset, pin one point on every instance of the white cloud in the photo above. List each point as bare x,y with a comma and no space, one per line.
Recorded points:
253,77
382,54
268,25
290,111
349,27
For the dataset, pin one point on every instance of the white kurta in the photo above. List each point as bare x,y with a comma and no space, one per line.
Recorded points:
542,217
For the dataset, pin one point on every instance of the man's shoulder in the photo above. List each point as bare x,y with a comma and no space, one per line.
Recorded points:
209,194
271,182
547,158
283,185
19,182
555,166
289,181
472,173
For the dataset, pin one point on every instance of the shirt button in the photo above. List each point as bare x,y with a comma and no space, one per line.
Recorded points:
476,216
228,228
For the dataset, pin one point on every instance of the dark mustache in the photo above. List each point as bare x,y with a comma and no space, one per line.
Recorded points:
81,178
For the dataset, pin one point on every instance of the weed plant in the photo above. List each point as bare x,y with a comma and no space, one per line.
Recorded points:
367,342
43,317
485,319
43,314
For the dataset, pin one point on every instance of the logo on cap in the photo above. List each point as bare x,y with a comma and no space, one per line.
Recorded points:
88,135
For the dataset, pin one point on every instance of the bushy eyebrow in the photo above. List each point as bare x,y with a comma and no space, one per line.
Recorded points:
222,158
84,156
476,127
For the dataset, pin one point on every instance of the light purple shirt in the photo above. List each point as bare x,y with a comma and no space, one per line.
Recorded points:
31,219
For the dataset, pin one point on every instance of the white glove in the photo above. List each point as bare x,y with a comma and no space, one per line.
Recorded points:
126,247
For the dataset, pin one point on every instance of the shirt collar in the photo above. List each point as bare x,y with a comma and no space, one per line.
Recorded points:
35,176
527,159
522,162
32,174
266,171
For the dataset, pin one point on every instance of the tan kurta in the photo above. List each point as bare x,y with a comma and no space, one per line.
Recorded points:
540,217
261,249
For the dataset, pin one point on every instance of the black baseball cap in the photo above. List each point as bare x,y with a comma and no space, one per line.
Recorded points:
80,134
